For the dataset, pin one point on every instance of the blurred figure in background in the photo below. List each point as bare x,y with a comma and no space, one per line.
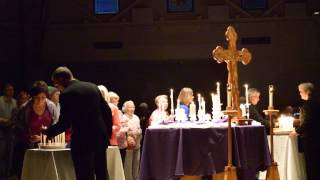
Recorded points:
7,108
7,103
22,98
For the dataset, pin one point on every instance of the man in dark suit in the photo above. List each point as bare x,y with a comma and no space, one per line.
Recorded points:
86,112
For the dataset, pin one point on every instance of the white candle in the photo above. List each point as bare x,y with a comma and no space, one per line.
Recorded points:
270,95
218,90
228,95
171,101
199,101
60,138
203,105
44,139
247,95
192,109
212,99
63,138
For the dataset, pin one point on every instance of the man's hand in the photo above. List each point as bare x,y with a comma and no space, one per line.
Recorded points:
43,129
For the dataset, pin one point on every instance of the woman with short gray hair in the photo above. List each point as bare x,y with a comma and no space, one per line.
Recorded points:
308,130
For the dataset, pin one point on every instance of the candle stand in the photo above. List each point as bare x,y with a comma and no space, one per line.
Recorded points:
230,171
272,172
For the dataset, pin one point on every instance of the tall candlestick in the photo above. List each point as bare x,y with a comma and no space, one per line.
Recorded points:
271,96
171,101
229,96
247,95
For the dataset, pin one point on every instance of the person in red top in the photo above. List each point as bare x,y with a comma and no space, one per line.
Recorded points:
37,112
115,116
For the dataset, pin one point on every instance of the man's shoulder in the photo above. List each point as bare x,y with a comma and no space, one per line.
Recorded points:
78,83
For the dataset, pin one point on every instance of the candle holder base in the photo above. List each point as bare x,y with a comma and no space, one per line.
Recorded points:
230,112
270,111
270,108
52,145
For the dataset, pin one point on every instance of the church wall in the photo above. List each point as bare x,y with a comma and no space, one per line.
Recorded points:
166,50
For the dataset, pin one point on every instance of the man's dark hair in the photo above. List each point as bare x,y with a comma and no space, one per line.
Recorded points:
62,72
38,87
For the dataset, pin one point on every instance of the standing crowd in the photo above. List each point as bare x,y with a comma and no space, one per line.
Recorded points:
91,117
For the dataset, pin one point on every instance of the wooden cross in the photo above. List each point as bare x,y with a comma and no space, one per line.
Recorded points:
231,56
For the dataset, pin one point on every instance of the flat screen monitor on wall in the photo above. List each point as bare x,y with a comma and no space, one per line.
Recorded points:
106,6
179,5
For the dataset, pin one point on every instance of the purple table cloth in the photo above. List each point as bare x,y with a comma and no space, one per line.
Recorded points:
171,153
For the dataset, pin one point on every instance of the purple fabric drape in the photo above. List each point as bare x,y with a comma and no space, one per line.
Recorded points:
170,153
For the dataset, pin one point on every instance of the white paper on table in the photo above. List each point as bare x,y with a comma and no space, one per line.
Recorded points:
255,123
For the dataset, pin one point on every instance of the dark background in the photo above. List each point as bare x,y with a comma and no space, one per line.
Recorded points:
144,51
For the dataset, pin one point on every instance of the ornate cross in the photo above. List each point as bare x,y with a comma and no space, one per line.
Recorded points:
231,56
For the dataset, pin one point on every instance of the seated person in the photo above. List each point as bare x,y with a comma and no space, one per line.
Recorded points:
254,98
161,114
185,97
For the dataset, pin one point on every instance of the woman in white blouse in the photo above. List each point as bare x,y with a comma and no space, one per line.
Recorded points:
161,114
130,123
